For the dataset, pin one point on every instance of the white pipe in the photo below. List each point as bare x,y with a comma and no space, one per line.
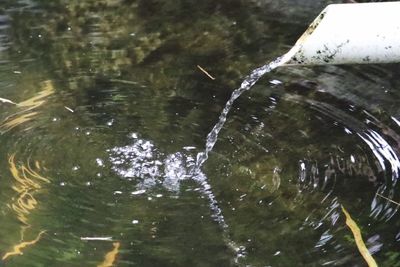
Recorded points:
350,34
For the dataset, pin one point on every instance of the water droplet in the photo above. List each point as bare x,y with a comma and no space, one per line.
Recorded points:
275,82
303,166
138,192
99,162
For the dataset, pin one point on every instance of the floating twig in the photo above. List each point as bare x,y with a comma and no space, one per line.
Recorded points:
69,109
359,241
123,81
388,199
206,73
97,238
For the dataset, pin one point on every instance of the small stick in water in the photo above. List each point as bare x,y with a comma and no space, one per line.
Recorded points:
388,199
95,238
205,72
359,240
69,109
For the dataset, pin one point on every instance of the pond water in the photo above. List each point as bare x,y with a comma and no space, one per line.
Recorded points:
104,112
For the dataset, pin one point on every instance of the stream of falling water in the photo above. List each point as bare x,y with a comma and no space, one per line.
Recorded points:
212,138
249,81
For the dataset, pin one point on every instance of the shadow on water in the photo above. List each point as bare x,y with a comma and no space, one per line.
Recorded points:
114,111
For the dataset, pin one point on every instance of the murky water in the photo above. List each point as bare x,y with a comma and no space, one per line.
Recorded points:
104,123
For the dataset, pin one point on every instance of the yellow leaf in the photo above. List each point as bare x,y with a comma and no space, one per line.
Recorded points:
358,238
109,259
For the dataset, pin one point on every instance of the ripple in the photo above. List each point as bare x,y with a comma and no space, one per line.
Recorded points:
372,158
4,38
27,185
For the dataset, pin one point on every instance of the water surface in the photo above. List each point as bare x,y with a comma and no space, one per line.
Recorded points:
99,153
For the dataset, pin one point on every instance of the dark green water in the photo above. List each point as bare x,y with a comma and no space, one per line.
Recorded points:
112,111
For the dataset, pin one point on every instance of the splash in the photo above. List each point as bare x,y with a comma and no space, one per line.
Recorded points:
149,166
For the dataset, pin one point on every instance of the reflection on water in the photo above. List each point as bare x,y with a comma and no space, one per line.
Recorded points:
27,183
17,249
26,112
125,189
